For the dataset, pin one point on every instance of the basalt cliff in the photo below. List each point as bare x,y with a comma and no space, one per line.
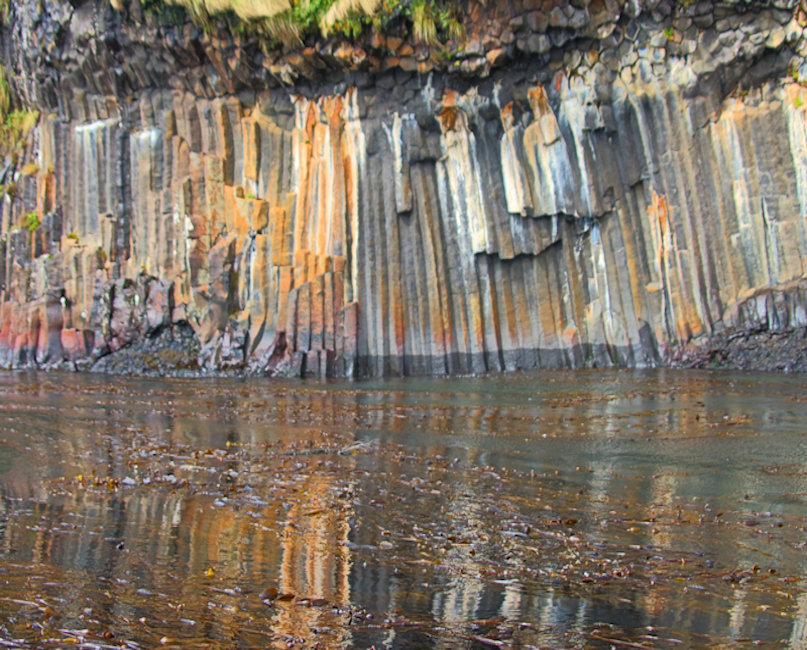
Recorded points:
577,183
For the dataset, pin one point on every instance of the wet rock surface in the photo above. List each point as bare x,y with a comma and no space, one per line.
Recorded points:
173,352
782,351
572,186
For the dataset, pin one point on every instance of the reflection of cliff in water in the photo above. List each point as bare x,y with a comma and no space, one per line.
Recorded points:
444,508
135,546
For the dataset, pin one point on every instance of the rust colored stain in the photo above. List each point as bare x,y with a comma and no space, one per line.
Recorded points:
539,101
450,113
658,211
507,116
448,118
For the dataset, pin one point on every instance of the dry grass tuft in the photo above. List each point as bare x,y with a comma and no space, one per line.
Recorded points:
247,9
341,8
289,21
424,26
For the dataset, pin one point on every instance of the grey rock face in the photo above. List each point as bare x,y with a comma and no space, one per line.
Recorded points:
566,198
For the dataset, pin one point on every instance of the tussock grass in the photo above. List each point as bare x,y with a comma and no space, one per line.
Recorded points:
244,9
424,26
15,126
290,21
5,95
342,9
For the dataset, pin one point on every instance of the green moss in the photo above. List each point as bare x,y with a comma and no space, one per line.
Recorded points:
32,221
351,26
5,94
30,169
15,129
15,126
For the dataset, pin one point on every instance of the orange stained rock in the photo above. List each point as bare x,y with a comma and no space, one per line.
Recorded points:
281,236
260,215
237,217
507,118
448,117
214,194
539,102
506,316
570,336
549,317
338,291
332,107
46,195
299,268
450,112
348,156
310,267
657,211
321,180
6,316
252,148
332,178
477,324
672,260
450,97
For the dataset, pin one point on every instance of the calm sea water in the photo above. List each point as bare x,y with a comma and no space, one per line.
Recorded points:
564,509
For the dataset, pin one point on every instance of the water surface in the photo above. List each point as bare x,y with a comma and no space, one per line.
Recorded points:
564,509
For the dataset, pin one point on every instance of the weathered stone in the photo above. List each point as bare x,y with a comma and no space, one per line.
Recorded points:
537,22
473,48
604,31
516,23
409,64
559,37
558,18
610,59
579,19
537,44
775,38
157,312
474,67
496,57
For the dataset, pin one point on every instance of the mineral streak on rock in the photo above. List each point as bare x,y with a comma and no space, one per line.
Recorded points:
589,185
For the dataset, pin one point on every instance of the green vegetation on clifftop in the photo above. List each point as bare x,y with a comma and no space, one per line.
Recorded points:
291,21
